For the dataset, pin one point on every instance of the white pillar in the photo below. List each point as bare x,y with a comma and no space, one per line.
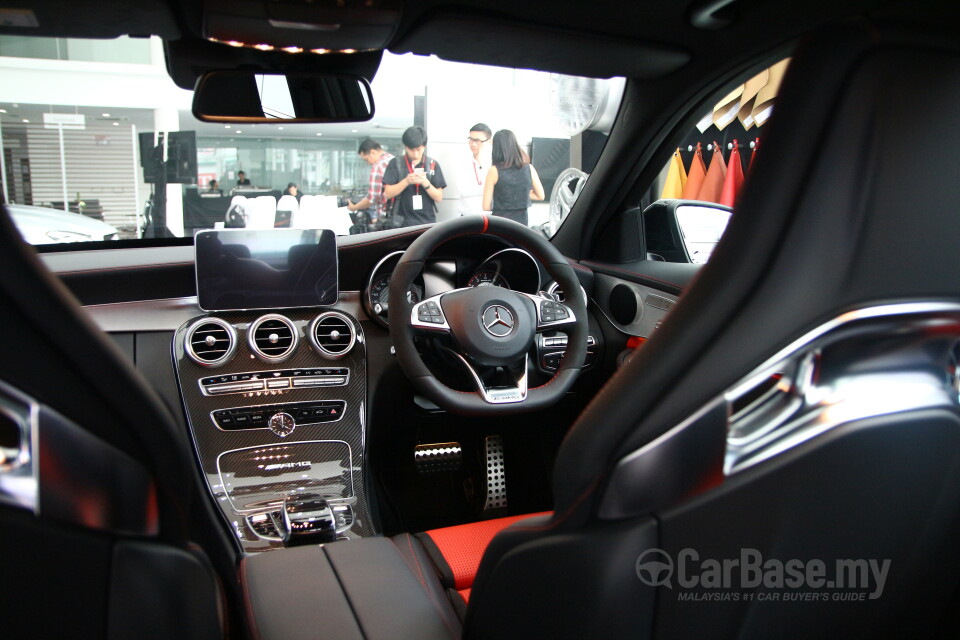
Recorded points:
63,172
166,120
3,169
136,180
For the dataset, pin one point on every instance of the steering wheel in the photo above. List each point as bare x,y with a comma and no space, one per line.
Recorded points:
493,329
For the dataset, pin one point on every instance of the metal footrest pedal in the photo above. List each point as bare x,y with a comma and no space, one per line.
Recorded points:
496,474
437,457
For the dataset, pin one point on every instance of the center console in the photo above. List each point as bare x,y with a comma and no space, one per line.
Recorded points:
276,409
274,385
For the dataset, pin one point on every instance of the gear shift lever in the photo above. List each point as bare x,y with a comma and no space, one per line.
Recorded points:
308,519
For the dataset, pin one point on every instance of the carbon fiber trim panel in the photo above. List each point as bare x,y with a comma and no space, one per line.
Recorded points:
211,443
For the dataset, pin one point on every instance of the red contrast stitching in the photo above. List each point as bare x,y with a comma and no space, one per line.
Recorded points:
423,582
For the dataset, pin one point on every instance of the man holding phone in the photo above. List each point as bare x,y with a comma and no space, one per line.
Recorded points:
416,182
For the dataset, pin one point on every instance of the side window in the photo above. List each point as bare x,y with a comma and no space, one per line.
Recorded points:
699,187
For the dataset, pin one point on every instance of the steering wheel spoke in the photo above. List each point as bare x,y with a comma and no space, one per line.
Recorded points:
504,385
428,315
551,314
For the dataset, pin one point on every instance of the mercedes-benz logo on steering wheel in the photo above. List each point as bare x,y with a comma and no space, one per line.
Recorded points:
497,320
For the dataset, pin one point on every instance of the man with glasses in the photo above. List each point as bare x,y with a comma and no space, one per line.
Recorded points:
473,171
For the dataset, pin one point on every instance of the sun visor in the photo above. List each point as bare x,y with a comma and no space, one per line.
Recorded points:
506,44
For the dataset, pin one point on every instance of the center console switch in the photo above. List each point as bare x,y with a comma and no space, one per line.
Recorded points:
274,380
550,350
263,417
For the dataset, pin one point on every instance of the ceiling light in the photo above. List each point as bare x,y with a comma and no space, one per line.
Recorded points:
263,47
279,128
105,115
319,134
320,51
226,126
3,110
293,49
235,43
238,131
28,122
353,131
116,124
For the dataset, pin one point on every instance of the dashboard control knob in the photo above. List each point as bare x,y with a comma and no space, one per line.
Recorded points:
282,424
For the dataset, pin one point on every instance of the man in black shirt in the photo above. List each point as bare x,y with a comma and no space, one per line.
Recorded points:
242,179
415,180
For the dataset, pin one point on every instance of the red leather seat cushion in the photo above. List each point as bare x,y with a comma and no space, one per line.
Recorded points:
462,547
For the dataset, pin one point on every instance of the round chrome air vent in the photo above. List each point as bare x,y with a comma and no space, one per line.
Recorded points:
332,334
272,337
210,341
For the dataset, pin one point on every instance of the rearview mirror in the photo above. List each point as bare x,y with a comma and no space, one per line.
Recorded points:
253,96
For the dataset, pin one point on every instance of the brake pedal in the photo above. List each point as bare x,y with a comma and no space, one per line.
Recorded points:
438,457
496,474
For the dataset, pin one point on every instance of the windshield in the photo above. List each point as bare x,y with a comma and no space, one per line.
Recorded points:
99,144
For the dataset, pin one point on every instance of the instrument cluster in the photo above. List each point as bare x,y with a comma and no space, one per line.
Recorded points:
509,268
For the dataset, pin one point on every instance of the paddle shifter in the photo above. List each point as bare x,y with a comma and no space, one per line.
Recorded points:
308,519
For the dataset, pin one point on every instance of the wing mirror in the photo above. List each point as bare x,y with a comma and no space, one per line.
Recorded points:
254,96
684,230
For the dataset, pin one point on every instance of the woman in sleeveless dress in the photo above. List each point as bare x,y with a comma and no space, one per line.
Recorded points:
512,182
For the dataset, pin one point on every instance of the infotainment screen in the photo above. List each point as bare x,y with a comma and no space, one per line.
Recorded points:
266,268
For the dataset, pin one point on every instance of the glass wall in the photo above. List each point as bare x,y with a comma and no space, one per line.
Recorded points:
327,167
125,50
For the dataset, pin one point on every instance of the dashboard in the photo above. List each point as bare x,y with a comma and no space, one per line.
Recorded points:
287,407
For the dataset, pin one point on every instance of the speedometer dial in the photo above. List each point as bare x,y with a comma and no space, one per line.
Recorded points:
380,294
487,278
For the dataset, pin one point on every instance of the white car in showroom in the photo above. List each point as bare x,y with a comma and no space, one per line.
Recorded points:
42,225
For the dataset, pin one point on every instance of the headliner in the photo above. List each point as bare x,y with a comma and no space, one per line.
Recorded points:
640,39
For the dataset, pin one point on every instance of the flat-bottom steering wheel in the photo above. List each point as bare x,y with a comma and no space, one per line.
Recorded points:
493,329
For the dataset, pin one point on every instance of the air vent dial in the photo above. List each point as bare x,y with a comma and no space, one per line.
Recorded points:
272,337
332,334
210,342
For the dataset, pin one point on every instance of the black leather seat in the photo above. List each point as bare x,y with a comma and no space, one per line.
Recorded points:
95,486
799,404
